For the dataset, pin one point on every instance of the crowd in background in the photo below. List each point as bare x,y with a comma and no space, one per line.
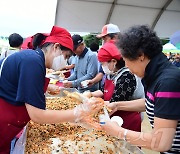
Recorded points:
174,58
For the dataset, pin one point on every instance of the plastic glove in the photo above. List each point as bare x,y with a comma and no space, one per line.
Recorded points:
87,94
90,123
87,82
53,89
67,84
84,112
84,84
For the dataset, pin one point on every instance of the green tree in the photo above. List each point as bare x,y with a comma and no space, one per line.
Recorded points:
90,38
164,41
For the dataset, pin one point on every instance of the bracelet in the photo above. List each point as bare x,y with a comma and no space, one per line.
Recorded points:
125,134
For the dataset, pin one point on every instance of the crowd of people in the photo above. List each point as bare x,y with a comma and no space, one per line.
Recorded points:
130,72
174,58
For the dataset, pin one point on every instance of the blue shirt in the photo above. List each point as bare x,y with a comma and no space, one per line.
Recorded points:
72,61
86,68
23,77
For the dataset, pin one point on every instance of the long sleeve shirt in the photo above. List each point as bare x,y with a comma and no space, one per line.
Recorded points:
86,68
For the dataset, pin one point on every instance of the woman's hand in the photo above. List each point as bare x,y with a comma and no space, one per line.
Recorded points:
87,94
67,84
111,128
84,113
90,82
88,108
53,89
90,122
113,106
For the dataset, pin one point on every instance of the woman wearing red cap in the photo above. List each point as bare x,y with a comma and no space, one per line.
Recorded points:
120,84
23,83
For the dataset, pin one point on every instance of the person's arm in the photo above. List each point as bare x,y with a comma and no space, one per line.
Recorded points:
97,93
160,139
67,84
166,114
96,79
49,116
68,67
74,75
53,89
78,114
133,105
92,68
118,100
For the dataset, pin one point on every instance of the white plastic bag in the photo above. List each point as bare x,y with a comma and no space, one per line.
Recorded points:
20,144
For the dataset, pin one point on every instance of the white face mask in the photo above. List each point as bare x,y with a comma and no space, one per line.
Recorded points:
106,70
59,62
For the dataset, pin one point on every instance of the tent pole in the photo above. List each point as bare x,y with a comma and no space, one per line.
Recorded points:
57,5
160,13
111,11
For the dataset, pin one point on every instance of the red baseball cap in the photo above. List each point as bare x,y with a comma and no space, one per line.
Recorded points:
60,35
27,43
108,52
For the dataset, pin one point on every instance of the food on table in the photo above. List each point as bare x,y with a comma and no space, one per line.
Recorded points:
66,137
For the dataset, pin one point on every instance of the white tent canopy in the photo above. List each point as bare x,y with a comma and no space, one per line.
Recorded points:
91,15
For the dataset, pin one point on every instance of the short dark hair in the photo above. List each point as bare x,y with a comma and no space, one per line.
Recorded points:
112,35
37,41
15,40
94,46
138,40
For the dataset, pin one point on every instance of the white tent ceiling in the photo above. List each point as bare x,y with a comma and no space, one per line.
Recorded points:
91,15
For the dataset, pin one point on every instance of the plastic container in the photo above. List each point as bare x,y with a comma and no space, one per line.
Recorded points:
102,119
84,84
117,119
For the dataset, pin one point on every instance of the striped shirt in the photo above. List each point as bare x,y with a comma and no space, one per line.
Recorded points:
162,88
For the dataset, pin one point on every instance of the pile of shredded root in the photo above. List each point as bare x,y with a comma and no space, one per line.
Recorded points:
66,137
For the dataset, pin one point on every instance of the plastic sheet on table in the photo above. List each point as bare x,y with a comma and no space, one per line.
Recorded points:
20,145
62,94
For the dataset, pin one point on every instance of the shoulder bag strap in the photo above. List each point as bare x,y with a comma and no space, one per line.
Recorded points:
2,65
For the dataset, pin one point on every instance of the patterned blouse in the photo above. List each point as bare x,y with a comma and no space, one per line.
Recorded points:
124,88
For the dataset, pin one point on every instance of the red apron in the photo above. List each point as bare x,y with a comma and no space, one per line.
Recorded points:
12,121
132,120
